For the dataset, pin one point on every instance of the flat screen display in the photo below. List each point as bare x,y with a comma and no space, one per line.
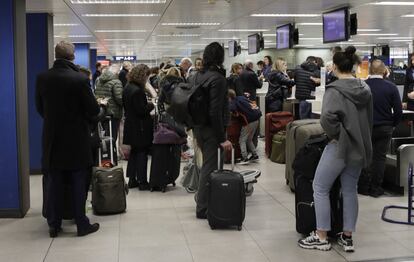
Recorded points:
232,48
335,25
283,36
253,44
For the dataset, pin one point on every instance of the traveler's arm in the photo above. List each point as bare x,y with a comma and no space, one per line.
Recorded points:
218,96
286,81
256,83
396,107
330,117
88,100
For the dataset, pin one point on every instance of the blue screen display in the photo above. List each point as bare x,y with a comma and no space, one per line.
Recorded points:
334,26
283,37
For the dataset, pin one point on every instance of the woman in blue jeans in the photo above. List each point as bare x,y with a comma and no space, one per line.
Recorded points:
347,120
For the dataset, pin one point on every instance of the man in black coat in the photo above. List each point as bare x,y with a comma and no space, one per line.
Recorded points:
66,103
97,74
249,80
126,66
306,78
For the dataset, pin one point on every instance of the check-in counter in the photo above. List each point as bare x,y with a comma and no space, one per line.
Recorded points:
261,102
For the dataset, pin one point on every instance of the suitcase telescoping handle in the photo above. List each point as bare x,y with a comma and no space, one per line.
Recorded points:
219,158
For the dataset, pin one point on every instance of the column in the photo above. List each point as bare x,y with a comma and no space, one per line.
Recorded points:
14,150
93,58
39,39
82,55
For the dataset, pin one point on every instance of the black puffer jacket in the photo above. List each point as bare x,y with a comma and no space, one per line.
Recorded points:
304,84
214,82
279,83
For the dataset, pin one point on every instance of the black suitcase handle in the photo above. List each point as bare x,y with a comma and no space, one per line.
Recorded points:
219,159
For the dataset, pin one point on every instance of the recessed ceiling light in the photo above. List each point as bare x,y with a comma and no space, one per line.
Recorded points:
304,45
190,24
402,40
285,15
65,24
243,30
73,36
396,37
409,15
123,39
362,44
318,23
369,30
120,15
180,35
311,38
220,38
120,31
391,3
374,34
118,1
352,43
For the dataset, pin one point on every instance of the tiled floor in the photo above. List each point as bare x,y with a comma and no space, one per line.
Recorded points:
162,227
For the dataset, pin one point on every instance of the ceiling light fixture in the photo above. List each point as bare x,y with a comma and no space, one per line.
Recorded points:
73,36
285,15
124,39
318,23
402,40
120,15
374,34
179,35
190,24
220,38
120,31
243,30
311,38
118,1
396,37
409,15
304,45
65,24
391,3
369,30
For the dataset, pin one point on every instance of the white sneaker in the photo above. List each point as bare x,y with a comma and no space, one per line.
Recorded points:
346,243
313,242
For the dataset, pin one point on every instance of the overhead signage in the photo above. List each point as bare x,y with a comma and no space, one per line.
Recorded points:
125,58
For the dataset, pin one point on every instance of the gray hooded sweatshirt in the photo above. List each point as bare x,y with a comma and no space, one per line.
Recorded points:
347,117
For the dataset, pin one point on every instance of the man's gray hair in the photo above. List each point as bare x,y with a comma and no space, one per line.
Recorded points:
65,50
186,59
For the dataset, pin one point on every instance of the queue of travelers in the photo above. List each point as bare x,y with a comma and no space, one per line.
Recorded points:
357,116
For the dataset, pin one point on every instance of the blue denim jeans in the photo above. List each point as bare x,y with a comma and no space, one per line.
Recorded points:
329,168
305,109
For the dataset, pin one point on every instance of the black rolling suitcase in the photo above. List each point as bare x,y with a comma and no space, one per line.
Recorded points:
227,198
305,164
165,166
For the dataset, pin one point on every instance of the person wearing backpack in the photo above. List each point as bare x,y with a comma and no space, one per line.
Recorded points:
347,119
250,113
211,134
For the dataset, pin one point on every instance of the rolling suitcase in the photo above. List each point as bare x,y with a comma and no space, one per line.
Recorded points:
233,135
275,122
165,166
226,198
305,165
109,191
278,152
297,133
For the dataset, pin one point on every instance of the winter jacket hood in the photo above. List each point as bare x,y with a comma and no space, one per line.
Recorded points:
355,90
309,66
107,76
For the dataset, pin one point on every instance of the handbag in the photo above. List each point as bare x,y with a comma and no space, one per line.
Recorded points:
167,119
164,135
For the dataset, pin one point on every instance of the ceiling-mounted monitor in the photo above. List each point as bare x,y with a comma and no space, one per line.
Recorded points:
285,36
234,48
254,44
336,25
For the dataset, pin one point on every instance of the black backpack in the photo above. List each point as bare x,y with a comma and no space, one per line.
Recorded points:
189,103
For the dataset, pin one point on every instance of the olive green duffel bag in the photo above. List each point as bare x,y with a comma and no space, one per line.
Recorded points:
278,154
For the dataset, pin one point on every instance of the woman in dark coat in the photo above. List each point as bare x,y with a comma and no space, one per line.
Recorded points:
138,129
279,86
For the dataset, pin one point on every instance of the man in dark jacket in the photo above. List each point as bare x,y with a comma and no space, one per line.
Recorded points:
249,80
305,85
98,72
65,102
126,66
387,115
212,135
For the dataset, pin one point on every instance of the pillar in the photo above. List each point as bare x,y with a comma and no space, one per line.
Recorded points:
82,55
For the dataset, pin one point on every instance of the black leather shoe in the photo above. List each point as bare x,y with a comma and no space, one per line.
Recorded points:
376,192
89,230
132,183
53,232
143,186
201,214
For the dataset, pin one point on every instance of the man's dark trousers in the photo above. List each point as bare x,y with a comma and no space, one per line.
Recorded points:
55,190
381,137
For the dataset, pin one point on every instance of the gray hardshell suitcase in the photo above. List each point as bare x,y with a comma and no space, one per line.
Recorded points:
297,133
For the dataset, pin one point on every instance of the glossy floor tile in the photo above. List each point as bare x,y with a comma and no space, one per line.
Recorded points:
162,227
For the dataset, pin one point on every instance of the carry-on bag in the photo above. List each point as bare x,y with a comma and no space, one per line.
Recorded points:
109,191
275,122
297,133
226,197
278,154
191,177
165,166
233,135
305,165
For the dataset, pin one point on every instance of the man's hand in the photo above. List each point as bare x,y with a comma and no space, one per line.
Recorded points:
315,80
227,145
404,106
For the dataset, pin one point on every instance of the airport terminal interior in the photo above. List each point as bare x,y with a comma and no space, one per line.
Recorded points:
162,226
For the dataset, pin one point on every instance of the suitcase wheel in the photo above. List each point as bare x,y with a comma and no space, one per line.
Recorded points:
212,227
249,189
173,184
239,228
152,189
